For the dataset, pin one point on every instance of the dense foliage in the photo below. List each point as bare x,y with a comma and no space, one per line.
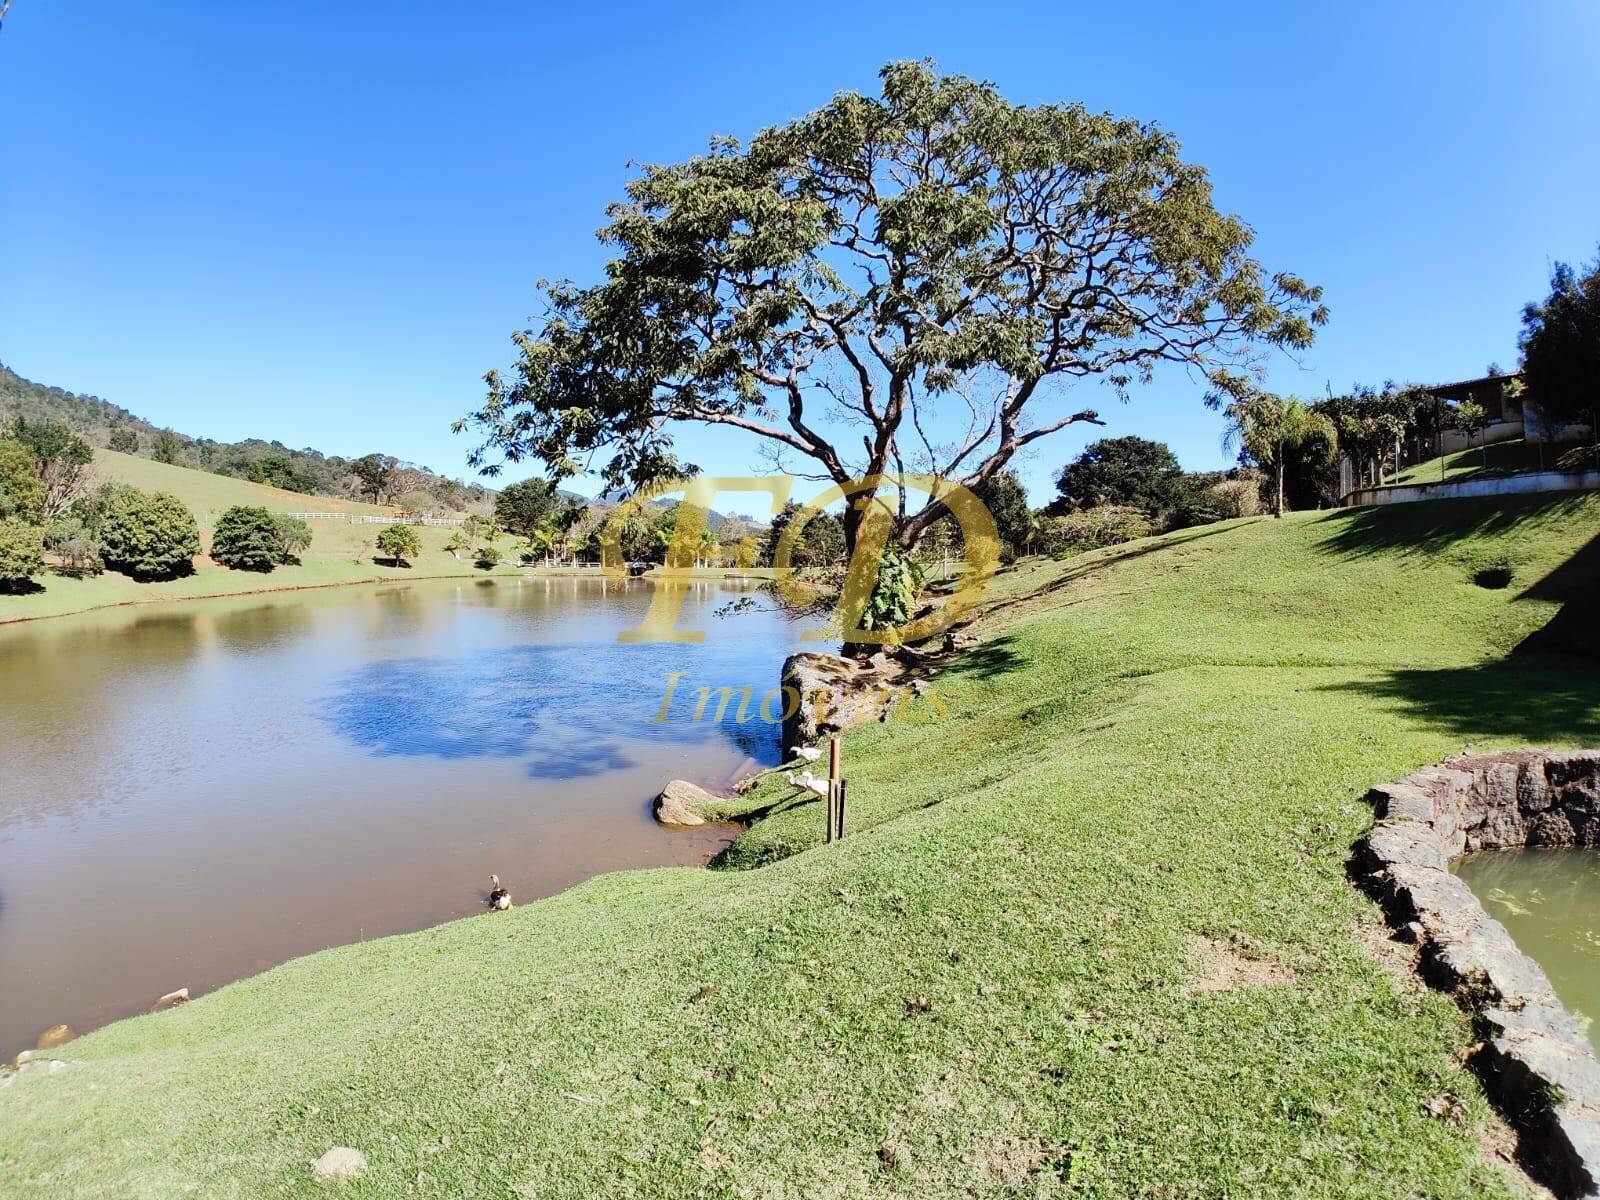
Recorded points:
523,507
892,252
1092,528
1130,472
819,543
246,539
148,535
21,493
1561,344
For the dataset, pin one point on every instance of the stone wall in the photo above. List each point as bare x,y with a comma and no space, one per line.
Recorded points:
1536,1061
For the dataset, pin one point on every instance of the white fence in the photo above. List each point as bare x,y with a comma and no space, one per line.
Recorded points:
362,519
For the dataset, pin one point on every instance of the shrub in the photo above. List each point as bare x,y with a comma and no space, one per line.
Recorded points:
246,539
1092,528
148,535
125,440
399,543
21,554
294,536
73,543
894,592
488,557
1237,497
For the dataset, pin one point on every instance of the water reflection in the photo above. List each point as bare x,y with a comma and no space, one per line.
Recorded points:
231,783
563,708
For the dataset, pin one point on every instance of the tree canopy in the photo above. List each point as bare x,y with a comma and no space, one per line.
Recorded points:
1130,472
852,286
1561,344
147,535
246,539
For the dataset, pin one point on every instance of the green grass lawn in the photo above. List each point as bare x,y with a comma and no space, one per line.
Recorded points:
1515,457
1003,983
340,552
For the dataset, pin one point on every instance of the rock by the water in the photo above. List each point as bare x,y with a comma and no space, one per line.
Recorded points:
56,1035
181,996
679,804
341,1162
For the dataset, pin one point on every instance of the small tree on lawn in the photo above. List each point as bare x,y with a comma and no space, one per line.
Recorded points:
294,536
124,440
487,557
399,543
1471,418
246,539
1265,426
21,554
148,535
460,543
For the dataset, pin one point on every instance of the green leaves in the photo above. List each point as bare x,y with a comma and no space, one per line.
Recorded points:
877,252
148,535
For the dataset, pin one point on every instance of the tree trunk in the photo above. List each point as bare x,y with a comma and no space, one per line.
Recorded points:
1277,508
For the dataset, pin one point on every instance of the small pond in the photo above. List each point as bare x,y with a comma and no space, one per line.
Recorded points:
191,793
1549,900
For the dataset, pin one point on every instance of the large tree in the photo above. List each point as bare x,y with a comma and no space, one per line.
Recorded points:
1561,345
1132,472
911,279
375,474
61,461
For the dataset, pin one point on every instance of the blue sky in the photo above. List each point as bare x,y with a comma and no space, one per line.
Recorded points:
319,222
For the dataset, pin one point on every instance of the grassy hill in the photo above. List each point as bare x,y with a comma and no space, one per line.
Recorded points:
1091,935
340,552
306,470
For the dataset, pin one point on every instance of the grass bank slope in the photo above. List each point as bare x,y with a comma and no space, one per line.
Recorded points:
1091,935
340,552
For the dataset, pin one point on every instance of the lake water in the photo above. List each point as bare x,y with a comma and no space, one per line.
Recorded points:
1550,901
192,793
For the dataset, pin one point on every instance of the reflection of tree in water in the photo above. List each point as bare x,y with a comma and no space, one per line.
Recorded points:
570,710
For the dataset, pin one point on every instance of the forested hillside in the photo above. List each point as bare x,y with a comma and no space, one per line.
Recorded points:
374,477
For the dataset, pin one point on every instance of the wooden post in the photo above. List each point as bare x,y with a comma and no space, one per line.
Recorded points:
839,821
833,789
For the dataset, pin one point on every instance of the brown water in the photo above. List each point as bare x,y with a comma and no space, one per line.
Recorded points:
192,793
1549,900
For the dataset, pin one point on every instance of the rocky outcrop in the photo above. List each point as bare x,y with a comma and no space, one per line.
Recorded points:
1536,1061
833,694
680,804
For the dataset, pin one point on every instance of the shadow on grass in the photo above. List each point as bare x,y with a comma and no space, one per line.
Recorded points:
1531,698
1430,526
1575,585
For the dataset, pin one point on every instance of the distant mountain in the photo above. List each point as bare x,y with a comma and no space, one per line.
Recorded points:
305,470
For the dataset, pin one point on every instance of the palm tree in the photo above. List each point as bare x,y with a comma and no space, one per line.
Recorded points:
1266,427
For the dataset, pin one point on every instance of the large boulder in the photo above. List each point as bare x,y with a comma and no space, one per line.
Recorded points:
680,804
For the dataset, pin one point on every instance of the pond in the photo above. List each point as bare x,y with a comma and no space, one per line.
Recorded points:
1549,900
192,793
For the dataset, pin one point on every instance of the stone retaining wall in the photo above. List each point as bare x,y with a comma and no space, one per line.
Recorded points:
1536,1061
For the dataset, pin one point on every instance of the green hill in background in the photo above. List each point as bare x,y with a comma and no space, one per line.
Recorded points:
307,471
